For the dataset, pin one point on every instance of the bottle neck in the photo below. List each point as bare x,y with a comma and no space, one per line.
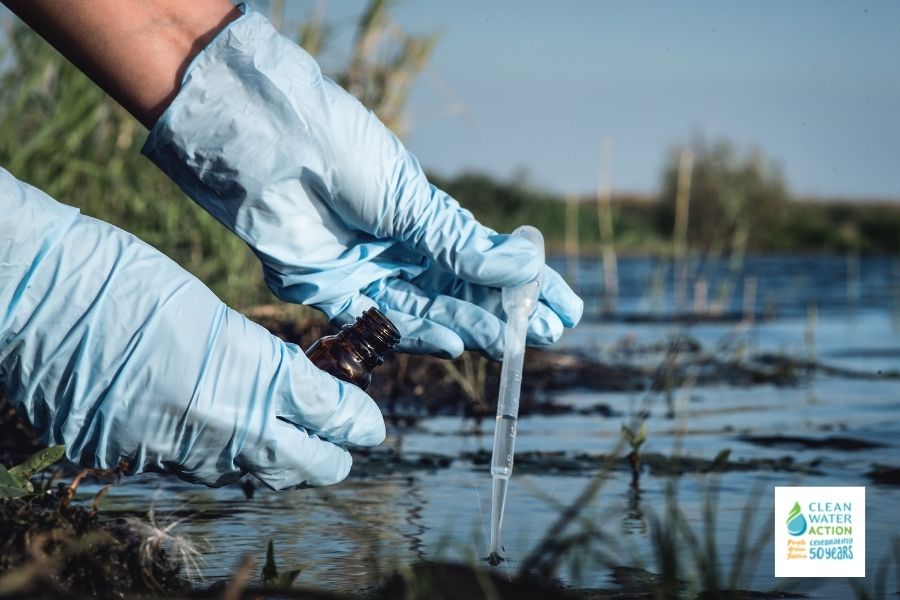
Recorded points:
372,335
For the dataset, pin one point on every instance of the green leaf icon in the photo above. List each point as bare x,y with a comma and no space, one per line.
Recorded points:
794,512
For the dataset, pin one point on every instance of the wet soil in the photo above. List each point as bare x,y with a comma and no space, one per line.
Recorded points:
884,475
450,581
538,462
458,582
408,387
17,438
369,462
55,549
379,462
797,441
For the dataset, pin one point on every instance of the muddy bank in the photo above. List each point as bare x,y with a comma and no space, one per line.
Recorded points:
450,581
539,462
50,548
374,462
884,475
410,387
17,438
380,462
834,442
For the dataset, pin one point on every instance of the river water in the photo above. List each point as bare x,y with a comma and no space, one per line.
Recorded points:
839,310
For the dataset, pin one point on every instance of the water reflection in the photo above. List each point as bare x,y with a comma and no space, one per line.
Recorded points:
634,521
350,535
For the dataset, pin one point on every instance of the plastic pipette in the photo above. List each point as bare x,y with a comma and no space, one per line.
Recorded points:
519,303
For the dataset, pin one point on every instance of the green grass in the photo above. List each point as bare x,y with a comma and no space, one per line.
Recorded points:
643,223
60,133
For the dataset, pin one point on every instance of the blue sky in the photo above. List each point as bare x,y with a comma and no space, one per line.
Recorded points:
534,86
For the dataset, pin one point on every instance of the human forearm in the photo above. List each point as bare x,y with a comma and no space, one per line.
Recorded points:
136,50
340,213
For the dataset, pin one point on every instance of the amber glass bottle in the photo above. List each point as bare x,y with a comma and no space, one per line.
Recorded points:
353,353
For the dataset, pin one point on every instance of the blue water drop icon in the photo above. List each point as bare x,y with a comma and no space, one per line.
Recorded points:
796,522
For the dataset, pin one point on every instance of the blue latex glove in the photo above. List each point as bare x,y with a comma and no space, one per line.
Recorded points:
112,349
340,214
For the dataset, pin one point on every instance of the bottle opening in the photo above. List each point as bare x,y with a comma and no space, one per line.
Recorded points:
380,329
375,335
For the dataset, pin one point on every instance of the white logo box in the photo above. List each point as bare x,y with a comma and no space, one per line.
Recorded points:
820,531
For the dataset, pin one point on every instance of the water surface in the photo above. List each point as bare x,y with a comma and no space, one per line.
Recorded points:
344,536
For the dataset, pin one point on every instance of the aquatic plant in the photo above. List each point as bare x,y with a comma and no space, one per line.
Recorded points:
271,578
16,482
635,435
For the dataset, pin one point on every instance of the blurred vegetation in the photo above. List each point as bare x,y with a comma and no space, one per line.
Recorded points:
504,205
59,132
384,60
735,199
62,134
739,202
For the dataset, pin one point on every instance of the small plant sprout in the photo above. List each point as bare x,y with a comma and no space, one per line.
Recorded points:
635,435
16,481
720,462
271,578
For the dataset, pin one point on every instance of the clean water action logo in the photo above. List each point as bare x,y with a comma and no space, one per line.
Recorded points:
820,531
796,522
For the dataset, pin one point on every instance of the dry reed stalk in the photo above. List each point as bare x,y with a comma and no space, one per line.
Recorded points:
572,250
682,208
605,220
749,303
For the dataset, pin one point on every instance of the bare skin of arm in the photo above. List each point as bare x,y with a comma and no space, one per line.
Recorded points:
136,50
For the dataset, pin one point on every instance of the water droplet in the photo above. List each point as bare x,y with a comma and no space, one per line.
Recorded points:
796,522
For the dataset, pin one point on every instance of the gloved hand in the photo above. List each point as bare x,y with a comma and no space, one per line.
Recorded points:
340,214
112,349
